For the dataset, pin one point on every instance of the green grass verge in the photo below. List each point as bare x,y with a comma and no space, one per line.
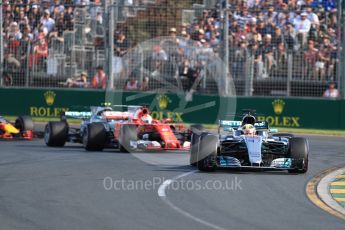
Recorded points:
313,131
299,131
214,127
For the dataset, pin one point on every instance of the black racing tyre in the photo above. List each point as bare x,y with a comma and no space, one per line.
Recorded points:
299,151
94,137
197,132
128,133
24,123
55,134
194,147
288,135
197,129
207,155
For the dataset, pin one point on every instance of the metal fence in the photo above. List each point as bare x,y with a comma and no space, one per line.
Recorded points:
267,49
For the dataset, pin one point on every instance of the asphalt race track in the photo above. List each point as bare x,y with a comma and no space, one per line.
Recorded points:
65,188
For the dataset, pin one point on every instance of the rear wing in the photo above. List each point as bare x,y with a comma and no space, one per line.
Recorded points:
116,115
75,115
230,125
261,125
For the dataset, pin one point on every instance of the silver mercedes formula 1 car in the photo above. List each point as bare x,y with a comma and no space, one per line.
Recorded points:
248,144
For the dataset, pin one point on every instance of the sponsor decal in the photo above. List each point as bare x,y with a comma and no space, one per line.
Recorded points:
49,97
278,106
163,102
48,110
278,120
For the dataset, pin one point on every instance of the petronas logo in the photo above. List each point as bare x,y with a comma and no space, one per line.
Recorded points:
49,96
278,106
163,101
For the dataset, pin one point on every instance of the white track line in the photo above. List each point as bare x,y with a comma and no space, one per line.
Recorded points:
165,184
162,194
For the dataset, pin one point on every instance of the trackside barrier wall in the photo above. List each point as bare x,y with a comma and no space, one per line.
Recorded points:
342,114
278,111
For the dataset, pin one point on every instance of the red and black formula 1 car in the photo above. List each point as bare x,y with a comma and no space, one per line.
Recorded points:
22,128
128,131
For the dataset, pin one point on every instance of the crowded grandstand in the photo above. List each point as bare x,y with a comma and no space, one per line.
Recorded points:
285,47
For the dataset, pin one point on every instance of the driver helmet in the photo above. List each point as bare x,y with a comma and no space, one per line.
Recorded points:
146,119
248,129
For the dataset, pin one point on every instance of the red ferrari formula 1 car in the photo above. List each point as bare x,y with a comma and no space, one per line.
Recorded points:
21,129
128,131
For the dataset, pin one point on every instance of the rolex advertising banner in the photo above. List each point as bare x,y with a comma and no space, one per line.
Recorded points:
45,102
278,112
296,112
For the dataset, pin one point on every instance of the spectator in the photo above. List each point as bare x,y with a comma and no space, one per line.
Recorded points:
240,58
24,50
22,20
290,37
132,84
332,92
280,57
99,18
261,28
328,5
253,4
158,57
40,54
34,16
324,65
283,17
56,6
81,2
159,54
40,31
271,15
27,32
239,36
80,82
277,37
47,21
121,44
99,81
258,61
12,53
185,44
57,32
332,36
243,18
172,32
205,52
310,57
187,74
15,31
11,62
201,35
268,50
312,17
69,18
214,41
7,79
302,26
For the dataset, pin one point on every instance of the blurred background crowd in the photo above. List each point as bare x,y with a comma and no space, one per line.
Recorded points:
267,31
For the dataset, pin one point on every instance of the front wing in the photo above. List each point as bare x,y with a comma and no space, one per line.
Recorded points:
153,145
234,163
